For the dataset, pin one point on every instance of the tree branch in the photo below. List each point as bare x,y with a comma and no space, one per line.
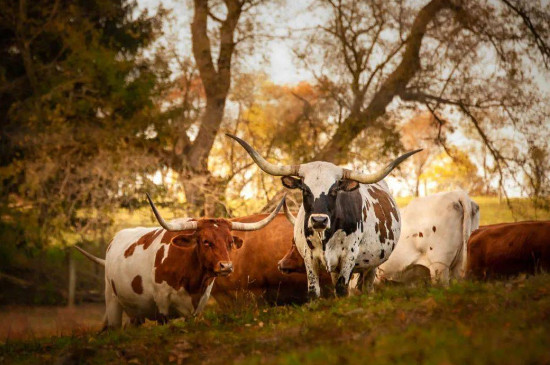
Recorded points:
543,47
338,146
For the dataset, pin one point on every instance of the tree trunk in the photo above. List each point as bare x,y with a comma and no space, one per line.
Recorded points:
72,279
197,179
417,187
211,120
200,186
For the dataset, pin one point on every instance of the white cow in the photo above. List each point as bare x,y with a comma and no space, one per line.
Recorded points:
434,233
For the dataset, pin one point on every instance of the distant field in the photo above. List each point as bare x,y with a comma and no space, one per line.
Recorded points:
467,323
492,211
31,322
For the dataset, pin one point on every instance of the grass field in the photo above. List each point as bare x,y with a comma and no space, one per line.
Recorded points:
467,323
504,322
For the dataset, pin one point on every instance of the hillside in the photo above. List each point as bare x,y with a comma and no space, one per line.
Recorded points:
499,322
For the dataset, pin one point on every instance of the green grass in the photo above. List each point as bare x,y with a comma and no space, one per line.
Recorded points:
474,323
494,211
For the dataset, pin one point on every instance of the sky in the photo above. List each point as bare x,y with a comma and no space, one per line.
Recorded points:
276,60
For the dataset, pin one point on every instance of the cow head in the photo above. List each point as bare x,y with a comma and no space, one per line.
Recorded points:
320,183
211,238
292,262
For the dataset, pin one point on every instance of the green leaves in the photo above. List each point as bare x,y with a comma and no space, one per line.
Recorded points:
71,142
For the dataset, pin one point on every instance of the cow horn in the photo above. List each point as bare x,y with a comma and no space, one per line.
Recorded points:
169,226
239,226
288,214
275,170
374,178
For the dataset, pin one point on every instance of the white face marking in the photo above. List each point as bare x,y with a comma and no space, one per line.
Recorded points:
319,176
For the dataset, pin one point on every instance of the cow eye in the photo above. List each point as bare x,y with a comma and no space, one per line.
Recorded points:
207,244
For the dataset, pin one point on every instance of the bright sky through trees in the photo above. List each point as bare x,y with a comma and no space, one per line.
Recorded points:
284,23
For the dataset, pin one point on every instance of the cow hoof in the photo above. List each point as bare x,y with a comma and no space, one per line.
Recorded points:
341,287
162,319
312,295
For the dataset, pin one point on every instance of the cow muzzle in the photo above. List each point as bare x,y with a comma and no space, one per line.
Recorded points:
224,268
319,222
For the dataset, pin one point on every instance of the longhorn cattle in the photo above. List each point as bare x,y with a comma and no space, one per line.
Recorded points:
508,249
162,273
348,220
434,233
256,267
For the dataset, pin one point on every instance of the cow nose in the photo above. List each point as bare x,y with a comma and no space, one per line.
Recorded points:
319,221
226,266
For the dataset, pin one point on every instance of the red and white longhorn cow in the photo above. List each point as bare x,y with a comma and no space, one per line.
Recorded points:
161,273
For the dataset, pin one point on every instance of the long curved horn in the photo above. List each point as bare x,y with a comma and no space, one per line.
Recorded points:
374,178
275,170
169,226
288,214
239,226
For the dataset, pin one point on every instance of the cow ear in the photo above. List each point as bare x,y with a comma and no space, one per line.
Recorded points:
291,182
348,185
184,240
237,241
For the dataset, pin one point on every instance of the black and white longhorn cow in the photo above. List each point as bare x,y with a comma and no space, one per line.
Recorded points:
348,221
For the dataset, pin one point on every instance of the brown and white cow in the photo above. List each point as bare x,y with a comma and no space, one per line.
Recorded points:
161,273
348,221
509,249
434,233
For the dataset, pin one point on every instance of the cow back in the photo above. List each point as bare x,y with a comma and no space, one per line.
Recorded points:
509,249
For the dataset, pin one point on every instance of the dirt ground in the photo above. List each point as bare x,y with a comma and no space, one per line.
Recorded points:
30,322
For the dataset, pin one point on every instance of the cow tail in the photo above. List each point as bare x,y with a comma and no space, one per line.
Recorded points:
97,260
465,201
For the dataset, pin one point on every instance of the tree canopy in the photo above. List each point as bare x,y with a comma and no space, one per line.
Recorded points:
76,99
94,112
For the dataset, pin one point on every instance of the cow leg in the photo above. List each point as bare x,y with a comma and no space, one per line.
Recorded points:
341,287
366,281
439,273
312,271
163,307
162,319
339,283
136,321
342,279
457,271
113,313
